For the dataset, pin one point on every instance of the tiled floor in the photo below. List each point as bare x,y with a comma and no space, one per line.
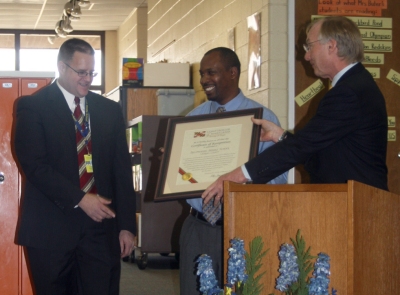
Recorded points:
161,276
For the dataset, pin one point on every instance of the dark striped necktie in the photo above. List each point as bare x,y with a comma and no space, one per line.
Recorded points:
83,147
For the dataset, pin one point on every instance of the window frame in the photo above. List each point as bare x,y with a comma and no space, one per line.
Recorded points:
17,46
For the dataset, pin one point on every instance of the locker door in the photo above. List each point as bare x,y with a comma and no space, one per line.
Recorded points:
31,85
14,276
9,191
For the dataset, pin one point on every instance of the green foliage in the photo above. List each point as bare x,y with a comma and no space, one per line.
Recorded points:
253,265
305,266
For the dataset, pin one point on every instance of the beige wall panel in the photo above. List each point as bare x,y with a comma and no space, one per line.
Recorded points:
111,59
128,25
256,6
197,26
278,20
277,48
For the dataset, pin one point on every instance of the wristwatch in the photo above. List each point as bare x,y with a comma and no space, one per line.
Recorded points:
283,136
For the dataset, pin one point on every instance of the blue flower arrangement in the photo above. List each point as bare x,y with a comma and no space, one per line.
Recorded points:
295,265
208,281
241,274
294,269
289,270
319,284
236,263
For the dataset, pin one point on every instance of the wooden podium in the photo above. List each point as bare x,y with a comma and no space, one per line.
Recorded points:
357,225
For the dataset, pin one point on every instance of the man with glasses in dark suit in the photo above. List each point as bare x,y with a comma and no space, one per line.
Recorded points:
78,209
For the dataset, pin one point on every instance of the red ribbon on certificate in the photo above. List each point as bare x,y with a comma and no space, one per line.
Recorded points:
187,176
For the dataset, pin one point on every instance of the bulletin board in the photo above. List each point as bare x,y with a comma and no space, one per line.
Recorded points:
379,23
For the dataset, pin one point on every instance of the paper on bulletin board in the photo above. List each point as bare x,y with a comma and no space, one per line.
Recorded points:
375,72
345,7
374,58
378,46
309,92
394,77
366,22
392,135
391,121
376,35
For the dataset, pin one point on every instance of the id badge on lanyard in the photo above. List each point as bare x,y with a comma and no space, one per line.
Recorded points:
84,133
88,163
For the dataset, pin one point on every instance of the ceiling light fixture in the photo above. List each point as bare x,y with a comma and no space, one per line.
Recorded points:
59,29
66,24
68,8
74,18
51,39
83,3
76,9
71,12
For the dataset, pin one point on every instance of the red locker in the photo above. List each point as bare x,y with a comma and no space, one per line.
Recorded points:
14,278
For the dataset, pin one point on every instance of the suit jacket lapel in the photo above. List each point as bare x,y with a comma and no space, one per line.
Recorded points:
94,120
59,106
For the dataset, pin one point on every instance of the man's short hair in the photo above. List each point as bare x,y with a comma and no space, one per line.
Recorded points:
69,47
228,57
347,35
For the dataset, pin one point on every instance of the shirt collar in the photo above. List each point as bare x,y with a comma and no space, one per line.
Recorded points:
231,105
70,98
341,73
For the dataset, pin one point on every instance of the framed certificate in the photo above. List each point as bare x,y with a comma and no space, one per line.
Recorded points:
198,149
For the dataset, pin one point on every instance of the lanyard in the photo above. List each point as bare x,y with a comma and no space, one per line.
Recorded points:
83,132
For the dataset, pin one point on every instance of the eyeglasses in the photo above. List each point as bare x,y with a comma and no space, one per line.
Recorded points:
82,73
307,46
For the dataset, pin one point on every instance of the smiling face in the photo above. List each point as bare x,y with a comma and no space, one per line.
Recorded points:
219,83
69,79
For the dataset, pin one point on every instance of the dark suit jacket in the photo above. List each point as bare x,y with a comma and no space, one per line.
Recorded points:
45,146
345,140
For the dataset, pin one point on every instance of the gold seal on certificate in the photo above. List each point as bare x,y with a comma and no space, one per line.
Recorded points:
187,176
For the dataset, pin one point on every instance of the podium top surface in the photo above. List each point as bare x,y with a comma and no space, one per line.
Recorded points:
329,187
342,187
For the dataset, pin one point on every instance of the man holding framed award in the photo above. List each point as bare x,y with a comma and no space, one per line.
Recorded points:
219,71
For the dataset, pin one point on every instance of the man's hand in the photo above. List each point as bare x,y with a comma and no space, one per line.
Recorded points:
269,130
127,241
96,207
216,189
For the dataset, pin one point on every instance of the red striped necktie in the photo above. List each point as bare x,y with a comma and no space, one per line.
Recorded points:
84,146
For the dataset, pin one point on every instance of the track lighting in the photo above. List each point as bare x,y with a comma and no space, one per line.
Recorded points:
59,29
66,24
51,39
83,3
68,8
76,10
71,12
74,18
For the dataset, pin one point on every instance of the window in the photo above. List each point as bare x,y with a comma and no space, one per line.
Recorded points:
7,52
25,50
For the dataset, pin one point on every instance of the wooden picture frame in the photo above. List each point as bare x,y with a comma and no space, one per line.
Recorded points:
198,149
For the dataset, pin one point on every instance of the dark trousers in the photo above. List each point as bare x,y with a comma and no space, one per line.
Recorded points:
198,237
89,269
